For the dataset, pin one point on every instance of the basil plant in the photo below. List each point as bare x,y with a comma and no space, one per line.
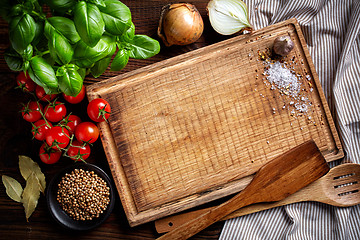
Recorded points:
77,37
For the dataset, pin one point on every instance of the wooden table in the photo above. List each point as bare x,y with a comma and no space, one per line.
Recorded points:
16,139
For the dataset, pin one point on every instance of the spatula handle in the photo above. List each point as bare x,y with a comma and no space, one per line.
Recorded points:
199,223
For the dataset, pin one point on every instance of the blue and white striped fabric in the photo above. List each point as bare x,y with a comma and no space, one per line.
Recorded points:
332,32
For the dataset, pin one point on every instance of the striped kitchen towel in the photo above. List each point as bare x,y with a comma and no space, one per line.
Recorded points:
332,32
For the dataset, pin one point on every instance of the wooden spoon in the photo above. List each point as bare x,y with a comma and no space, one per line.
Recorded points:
276,180
339,187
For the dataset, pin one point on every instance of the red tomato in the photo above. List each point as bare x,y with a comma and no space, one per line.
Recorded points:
54,112
78,98
71,122
98,110
25,82
40,129
31,111
49,155
57,137
78,151
40,93
87,132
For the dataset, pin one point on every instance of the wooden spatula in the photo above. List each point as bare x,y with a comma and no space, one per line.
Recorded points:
276,180
339,187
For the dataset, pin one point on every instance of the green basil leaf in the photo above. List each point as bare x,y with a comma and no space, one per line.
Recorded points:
88,22
42,73
13,59
61,6
28,52
117,17
39,31
26,66
100,66
60,48
70,81
128,36
21,32
82,72
65,27
98,3
53,54
85,56
111,41
142,47
120,60
16,10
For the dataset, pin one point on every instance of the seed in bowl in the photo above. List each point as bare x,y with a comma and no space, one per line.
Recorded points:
83,195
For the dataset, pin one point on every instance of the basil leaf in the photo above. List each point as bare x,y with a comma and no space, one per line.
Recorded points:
128,36
28,52
39,30
111,41
60,48
61,6
65,27
88,22
120,60
53,54
43,74
13,59
85,56
117,17
100,3
100,66
70,81
82,72
21,32
142,47
16,10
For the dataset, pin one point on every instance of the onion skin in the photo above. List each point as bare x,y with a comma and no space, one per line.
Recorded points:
180,24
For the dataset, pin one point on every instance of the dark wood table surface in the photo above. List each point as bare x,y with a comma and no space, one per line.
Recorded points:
16,139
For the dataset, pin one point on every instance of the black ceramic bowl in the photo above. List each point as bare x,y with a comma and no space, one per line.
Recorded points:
61,216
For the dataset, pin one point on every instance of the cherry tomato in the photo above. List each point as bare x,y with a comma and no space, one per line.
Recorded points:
71,122
49,155
55,111
31,111
40,128
98,110
41,94
78,151
25,82
77,99
87,132
57,137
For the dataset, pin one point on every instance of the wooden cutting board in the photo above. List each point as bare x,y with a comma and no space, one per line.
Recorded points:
194,128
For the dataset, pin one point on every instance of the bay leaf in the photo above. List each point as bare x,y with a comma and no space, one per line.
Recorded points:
13,188
28,166
31,195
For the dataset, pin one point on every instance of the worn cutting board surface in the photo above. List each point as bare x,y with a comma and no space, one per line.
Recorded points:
194,128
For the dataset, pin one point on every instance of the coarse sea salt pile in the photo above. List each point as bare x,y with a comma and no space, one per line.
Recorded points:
283,79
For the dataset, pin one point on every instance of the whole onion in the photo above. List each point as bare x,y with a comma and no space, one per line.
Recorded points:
180,24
